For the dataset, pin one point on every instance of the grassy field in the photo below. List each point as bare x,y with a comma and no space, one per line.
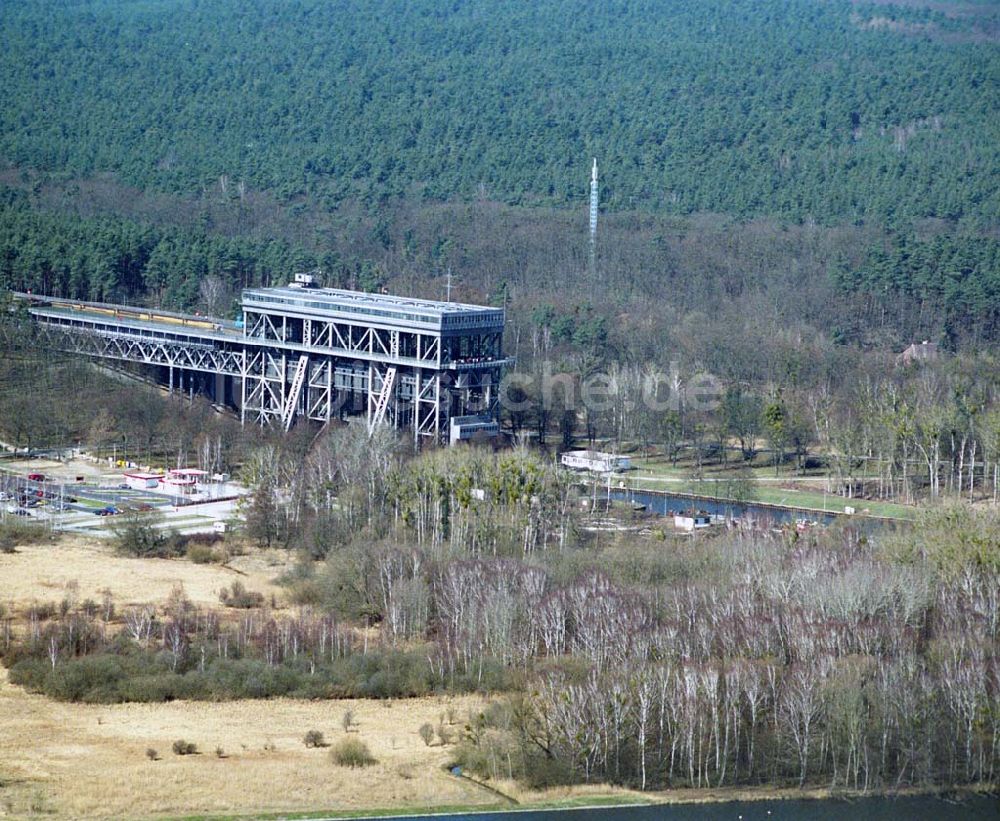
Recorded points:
90,761
83,567
577,798
87,761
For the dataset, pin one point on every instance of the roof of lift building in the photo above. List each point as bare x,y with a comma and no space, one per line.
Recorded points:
325,302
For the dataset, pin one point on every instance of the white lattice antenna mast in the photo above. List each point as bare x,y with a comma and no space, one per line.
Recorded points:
594,197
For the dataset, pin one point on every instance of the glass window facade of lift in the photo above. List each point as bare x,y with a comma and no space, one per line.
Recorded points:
450,320
346,309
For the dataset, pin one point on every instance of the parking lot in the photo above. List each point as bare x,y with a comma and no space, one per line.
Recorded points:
68,498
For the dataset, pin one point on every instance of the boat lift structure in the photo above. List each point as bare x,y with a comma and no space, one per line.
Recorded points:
306,352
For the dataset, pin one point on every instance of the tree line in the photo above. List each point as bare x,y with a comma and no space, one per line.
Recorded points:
106,259
945,288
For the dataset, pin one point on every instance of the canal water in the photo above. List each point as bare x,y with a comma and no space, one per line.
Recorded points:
667,504
914,808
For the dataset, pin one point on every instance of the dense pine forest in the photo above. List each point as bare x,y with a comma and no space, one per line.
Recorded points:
825,166
804,108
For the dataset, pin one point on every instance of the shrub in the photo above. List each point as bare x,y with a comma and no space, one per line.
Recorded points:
426,732
347,721
151,688
444,734
352,752
182,747
176,543
207,539
92,679
43,611
521,760
30,673
120,670
220,753
137,535
314,738
37,805
542,773
238,596
151,754
200,554
14,533
305,592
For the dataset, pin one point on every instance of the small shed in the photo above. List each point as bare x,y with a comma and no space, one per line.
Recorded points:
142,481
690,520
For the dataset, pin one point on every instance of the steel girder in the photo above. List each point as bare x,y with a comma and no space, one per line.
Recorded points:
144,349
348,340
265,387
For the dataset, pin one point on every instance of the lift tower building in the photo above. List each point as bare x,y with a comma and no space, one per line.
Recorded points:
300,351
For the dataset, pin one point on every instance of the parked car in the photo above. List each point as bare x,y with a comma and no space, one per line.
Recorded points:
36,477
20,511
110,510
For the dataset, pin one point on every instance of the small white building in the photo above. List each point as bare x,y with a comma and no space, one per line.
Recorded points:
142,481
464,428
690,520
183,481
595,460
179,485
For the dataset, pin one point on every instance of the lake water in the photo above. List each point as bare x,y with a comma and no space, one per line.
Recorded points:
917,808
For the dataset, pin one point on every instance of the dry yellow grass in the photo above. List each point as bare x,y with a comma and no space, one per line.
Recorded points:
47,572
84,761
